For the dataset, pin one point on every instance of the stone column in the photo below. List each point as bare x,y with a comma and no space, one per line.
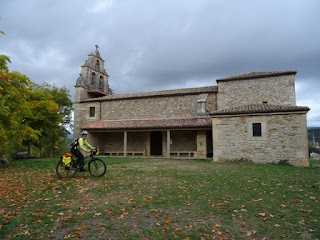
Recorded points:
168,143
201,144
148,134
125,142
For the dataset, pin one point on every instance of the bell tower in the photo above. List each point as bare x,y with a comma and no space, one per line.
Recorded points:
92,83
93,76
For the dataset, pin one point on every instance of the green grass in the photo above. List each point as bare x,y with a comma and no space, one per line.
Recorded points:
160,199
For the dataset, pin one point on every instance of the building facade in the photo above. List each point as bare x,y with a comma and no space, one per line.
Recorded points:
252,116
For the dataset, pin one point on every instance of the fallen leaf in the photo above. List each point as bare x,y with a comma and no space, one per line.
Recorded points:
175,236
168,221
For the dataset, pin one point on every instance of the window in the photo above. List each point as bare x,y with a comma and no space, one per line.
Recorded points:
92,111
256,129
93,76
101,83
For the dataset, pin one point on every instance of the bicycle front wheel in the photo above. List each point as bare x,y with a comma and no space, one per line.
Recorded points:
66,172
97,167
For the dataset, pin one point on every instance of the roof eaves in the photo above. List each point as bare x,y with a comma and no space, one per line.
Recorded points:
148,124
259,109
175,92
257,75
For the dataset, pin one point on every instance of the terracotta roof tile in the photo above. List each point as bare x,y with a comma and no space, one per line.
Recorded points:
97,93
149,124
254,75
258,108
174,92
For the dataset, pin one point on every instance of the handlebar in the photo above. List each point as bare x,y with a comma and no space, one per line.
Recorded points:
94,152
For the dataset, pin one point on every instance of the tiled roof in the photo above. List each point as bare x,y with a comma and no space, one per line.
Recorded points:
258,108
174,92
149,124
254,75
97,92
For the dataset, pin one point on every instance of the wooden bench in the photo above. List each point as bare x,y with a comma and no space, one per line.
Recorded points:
121,154
187,154
23,155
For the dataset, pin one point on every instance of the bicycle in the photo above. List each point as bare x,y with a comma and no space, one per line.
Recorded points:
96,166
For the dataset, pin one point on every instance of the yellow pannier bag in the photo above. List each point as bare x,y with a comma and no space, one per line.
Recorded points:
96,151
66,160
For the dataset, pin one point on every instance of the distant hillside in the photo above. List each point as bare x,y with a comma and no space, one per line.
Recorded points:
314,134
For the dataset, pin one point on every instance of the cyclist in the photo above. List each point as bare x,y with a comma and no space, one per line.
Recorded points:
78,146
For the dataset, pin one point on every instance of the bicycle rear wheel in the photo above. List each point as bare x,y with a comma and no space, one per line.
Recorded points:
97,167
66,172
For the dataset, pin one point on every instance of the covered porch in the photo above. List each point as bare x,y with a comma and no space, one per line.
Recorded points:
170,138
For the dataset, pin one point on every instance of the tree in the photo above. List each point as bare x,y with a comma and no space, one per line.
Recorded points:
44,115
14,107
61,96
31,114
54,131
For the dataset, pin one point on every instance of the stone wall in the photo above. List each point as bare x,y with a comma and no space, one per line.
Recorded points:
137,141
183,106
284,138
82,116
184,140
273,90
111,141
154,107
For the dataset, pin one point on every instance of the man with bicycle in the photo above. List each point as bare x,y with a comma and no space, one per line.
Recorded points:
78,146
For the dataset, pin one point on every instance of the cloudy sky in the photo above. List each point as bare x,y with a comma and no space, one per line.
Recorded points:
151,45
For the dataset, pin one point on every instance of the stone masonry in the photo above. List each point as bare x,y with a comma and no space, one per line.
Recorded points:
284,137
276,90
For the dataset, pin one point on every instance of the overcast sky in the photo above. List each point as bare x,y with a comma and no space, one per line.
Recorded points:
151,45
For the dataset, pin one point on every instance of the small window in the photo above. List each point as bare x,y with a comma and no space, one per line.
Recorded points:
93,78
256,129
92,111
101,83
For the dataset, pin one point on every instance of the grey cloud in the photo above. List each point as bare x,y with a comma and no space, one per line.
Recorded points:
157,45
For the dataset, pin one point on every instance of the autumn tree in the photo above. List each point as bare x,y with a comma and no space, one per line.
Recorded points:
54,131
14,107
30,114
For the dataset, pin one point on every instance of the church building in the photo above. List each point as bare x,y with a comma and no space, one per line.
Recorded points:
251,116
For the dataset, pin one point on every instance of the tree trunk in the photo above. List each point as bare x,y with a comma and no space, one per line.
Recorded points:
29,148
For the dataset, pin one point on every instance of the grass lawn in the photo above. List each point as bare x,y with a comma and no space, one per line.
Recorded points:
160,199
